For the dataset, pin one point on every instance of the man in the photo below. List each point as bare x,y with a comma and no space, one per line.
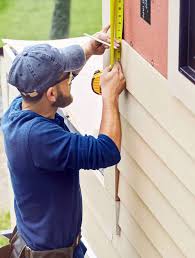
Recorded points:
44,157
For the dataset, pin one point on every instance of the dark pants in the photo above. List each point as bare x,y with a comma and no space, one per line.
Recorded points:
19,249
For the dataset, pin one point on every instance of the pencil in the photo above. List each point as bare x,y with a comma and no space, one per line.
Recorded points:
99,40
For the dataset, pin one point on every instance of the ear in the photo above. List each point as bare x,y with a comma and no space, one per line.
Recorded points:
51,94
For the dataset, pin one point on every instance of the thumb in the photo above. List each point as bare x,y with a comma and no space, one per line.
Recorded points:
108,68
106,71
106,28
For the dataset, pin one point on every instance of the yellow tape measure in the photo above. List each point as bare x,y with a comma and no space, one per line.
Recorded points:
116,31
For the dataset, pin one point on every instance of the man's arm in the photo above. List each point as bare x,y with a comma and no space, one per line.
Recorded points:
112,84
58,149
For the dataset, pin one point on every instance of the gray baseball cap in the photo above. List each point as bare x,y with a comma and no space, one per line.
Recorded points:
41,66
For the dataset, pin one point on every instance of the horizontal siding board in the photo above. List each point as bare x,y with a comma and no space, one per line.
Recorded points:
100,200
152,91
94,229
124,247
136,236
163,212
95,235
103,210
158,172
149,224
151,132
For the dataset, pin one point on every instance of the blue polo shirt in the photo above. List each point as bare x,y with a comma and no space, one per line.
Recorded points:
44,159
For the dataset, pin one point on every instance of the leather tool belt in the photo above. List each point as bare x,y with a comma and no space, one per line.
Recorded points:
18,249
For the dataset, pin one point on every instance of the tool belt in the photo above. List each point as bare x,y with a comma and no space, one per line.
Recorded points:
18,249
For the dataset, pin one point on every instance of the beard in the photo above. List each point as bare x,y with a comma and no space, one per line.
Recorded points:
62,101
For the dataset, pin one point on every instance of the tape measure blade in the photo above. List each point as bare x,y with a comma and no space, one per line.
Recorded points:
112,29
119,26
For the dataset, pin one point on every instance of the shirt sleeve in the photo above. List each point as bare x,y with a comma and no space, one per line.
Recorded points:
53,148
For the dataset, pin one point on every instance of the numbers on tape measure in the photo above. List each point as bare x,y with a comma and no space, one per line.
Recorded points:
117,24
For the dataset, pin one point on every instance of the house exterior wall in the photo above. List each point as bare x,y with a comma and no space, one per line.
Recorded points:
139,31
157,179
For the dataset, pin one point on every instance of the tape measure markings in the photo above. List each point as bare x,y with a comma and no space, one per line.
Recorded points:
116,30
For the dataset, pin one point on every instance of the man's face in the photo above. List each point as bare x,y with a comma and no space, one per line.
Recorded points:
64,97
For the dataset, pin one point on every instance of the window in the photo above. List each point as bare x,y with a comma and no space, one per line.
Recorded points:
187,39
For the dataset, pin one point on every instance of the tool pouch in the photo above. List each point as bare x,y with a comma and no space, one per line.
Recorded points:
5,251
56,253
19,249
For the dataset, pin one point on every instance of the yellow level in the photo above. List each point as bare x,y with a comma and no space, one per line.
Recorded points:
116,32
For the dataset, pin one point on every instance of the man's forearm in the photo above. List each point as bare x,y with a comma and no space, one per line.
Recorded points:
87,53
110,123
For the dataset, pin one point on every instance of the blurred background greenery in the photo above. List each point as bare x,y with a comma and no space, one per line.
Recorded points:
31,20
4,224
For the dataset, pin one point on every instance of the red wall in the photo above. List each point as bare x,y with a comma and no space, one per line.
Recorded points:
149,40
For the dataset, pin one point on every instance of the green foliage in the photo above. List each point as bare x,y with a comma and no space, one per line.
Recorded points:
4,224
86,16
3,4
31,20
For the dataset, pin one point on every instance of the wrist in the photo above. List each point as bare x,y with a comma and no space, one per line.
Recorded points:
110,100
88,50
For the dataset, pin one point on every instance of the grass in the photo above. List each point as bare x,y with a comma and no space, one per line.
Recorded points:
31,20
4,224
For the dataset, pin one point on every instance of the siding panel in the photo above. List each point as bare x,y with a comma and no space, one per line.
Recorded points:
152,228
136,236
179,163
169,218
124,247
94,227
95,236
101,200
152,91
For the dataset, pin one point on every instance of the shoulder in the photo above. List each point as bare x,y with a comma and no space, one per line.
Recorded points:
43,127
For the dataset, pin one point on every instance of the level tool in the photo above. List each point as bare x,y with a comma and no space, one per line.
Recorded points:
116,31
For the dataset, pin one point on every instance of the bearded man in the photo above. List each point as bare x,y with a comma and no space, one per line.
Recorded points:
44,157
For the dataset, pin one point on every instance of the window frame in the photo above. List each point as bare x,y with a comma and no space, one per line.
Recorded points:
185,50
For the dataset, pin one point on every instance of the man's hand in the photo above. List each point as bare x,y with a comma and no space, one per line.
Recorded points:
94,47
112,82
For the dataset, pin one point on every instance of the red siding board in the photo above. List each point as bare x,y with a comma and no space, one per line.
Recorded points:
150,41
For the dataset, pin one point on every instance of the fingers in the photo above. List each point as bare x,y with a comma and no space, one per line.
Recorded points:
120,72
116,43
106,28
107,70
115,69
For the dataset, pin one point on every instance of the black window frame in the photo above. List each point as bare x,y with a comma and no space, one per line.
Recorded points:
185,46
